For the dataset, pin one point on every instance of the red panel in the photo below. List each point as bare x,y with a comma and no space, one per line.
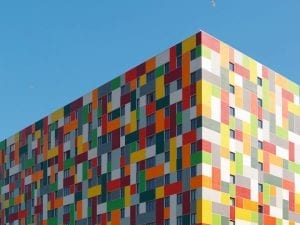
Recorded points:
216,179
269,147
199,38
130,75
239,135
159,211
142,138
116,139
150,130
189,137
210,42
60,158
174,188
186,202
150,108
186,98
113,185
132,215
81,158
265,72
242,192
242,71
287,95
125,99
205,145
173,75
224,113
291,201
141,69
292,151
172,58
76,104
125,181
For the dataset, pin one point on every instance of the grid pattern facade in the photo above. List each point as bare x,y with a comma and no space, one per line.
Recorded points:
199,134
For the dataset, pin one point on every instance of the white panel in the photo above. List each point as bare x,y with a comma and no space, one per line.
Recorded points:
211,136
142,207
173,206
5,189
195,64
115,174
116,98
175,96
92,153
278,115
14,170
276,171
206,64
212,195
297,183
132,173
101,208
45,207
225,165
238,80
215,109
238,57
254,190
246,160
28,180
150,151
60,178
69,199
216,68
87,98
206,170
242,114
275,212
104,163
281,152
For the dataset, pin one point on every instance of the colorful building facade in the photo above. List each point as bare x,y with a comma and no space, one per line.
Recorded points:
199,134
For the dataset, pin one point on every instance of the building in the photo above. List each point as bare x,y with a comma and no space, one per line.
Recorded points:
199,134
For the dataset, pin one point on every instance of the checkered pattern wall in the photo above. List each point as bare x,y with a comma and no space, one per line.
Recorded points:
199,134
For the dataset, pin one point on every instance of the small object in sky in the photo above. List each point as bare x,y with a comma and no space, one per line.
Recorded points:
213,2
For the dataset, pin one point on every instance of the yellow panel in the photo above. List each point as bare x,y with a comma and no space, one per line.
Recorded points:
206,212
246,144
52,153
173,154
6,204
225,198
143,80
199,92
137,156
249,205
231,77
160,90
207,92
94,191
109,106
224,51
79,144
260,155
253,70
38,134
133,121
127,196
159,192
293,108
57,115
232,168
189,44
242,214
246,128
224,135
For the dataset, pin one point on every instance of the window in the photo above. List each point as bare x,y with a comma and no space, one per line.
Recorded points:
193,194
179,175
67,137
259,81
109,97
260,209
193,171
179,152
109,156
150,76
67,119
66,209
150,206
123,90
109,116
167,222
150,162
67,154
179,129
167,202
66,173
150,140
122,110
193,100
260,166
150,119
90,107
179,198
137,103
193,54
232,201
179,61
193,124
167,179
260,188
232,179
137,124
150,184
232,111
122,213
167,111
167,90
193,147
99,121
259,144
260,123
231,222
179,106
109,137
232,156
179,84
167,67
122,130
167,156
231,66
231,89
259,102
179,220
150,97
193,218
232,133
167,134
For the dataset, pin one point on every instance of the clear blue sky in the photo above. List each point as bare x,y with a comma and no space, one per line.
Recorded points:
52,52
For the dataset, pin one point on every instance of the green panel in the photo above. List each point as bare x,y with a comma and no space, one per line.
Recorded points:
206,157
52,221
266,193
142,180
115,83
68,163
160,142
266,89
216,219
253,124
85,114
85,170
196,158
160,71
294,167
239,163
178,164
94,138
186,219
147,195
281,132
116,204
216,91
294,88
254,217
53,187
198,51
179,118
206,52
133,146
99,112
28,163
72,214
162,102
